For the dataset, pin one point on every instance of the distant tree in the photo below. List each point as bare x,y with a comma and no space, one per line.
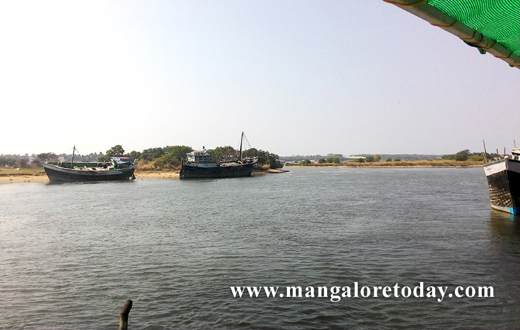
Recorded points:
47,156
134,154
369,159
166,161
264,157
389,159
21,163
478,157
377,158
172,159
305,162
151,154
321,161
462,155
8,160
115,151
178,152
222,153
333,159
274,161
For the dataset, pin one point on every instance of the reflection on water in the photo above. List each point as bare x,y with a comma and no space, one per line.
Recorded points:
504,224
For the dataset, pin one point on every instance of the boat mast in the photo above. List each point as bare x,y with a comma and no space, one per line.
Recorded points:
241,139
485,152
72,161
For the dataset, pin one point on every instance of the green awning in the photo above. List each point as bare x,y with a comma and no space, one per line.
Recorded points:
489,25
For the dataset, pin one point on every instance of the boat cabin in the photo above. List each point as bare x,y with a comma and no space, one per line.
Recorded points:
199,156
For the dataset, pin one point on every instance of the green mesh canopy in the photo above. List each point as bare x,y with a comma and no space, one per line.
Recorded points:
489,25
496,19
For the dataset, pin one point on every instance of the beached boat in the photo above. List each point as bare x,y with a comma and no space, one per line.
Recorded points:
199,164
503,178
119,168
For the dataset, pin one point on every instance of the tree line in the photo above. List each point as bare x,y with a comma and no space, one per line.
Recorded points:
465,154
168,157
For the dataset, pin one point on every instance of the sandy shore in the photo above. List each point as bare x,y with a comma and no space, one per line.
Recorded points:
156,175
38,178
139,175
42,177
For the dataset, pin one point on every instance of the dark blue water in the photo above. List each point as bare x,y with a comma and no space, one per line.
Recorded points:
70,255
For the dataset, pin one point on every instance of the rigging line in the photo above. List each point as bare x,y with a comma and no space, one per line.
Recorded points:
247,141
68,152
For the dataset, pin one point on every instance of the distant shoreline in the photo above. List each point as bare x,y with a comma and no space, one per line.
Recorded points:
385,166
37,175
406,164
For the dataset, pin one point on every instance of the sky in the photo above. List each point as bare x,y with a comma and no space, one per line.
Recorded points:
299,77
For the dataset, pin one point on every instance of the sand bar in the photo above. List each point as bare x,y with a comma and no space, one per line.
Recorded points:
42,177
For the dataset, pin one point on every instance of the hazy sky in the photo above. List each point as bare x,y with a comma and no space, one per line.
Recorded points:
299,77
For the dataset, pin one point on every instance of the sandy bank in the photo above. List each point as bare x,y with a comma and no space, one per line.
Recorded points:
156,174
17,178
42,177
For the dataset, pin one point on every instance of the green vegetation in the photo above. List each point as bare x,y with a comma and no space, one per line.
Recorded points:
395,163
115,151
464,155
13,161
265,158
333,160
223,153
169,158
461,158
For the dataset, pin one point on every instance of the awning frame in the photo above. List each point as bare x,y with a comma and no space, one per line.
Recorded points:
436,17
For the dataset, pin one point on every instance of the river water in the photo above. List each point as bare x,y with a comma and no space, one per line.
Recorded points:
71,254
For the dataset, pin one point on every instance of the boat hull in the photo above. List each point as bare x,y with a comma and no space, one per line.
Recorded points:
504,185
189,171
59,174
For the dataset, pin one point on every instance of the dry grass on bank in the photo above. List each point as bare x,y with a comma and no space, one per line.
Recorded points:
406,163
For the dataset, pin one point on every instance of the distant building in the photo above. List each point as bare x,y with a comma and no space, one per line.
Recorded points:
354,158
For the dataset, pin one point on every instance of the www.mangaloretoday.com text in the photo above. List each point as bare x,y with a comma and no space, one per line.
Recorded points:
336,293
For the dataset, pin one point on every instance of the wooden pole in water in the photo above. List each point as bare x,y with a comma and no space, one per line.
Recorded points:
123,317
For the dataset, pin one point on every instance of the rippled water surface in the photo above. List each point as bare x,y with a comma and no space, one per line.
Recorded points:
70,255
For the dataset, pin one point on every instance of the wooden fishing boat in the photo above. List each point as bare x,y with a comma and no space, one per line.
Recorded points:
119,168
199,164
503,178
